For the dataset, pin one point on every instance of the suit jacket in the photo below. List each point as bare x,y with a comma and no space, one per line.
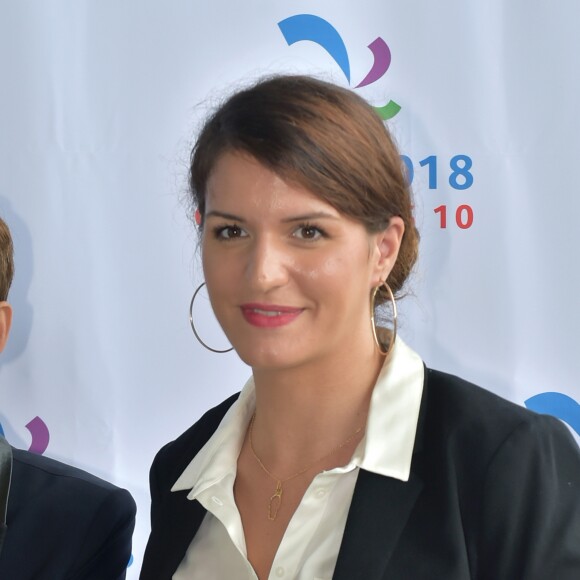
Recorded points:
64,524
5,475
494,494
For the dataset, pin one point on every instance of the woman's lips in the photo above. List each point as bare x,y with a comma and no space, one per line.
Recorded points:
269,315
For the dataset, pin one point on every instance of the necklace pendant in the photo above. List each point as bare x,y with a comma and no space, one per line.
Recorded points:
275,502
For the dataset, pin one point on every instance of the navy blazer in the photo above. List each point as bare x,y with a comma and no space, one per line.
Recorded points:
494,494
64,524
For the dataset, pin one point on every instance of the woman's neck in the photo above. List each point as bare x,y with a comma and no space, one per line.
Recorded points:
303,412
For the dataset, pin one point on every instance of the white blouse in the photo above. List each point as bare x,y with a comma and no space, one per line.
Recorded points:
309,548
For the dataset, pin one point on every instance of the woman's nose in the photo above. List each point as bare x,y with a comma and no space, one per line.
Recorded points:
267,265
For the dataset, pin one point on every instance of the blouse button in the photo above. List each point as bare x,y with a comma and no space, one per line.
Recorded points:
217,500
320,492
279,571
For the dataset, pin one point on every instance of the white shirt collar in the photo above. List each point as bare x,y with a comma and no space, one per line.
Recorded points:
386,449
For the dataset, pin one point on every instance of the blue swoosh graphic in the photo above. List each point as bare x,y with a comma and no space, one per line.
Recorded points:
557,404
1,430
316,29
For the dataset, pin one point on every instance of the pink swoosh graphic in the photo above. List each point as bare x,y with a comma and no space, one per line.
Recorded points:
382,62
40,435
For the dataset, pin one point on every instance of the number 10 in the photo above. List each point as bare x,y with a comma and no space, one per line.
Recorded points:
463,216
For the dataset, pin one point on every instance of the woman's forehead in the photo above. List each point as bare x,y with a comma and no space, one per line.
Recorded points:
240,181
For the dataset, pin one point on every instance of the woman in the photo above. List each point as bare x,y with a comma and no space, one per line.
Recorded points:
343,456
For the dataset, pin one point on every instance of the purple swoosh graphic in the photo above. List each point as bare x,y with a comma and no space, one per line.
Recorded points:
382,55
320,31
40,435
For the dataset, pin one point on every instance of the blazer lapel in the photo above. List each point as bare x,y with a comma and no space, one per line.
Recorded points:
378,513
171,536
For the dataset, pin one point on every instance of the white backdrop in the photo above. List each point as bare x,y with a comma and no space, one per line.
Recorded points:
99,102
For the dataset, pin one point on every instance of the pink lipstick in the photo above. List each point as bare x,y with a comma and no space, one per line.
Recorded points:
269,315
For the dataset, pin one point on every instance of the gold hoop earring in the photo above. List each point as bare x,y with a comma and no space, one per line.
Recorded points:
193,325
394,305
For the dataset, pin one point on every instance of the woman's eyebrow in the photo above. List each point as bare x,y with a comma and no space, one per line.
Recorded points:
225,215
310,216
295,218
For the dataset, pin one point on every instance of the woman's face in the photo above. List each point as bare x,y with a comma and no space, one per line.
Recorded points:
289,277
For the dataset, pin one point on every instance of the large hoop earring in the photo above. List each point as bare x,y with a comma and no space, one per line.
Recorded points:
394,305
193,325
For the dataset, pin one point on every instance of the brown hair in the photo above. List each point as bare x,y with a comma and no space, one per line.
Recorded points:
6,260
322,137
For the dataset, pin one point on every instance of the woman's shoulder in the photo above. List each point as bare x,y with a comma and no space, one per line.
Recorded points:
177,454
460,414
458,395
460,402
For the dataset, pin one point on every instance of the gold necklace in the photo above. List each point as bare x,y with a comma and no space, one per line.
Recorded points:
276,498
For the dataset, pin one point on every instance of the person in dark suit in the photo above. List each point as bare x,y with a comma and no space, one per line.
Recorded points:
5,476
61,522
343,456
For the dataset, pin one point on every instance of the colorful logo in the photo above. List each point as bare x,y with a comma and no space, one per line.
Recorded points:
40,435
558,405
315,29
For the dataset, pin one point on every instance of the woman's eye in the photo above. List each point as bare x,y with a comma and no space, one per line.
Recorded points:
229,232
308,232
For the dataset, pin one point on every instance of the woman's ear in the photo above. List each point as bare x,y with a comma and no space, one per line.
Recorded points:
388,243
5,322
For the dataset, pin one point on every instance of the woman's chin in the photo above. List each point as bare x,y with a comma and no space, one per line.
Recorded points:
269,358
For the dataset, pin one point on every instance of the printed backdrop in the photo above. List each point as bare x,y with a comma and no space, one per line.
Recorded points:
99,104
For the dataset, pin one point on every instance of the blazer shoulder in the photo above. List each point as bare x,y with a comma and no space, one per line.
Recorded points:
87,522
456,410
36,478
470,401
36,466
176,455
